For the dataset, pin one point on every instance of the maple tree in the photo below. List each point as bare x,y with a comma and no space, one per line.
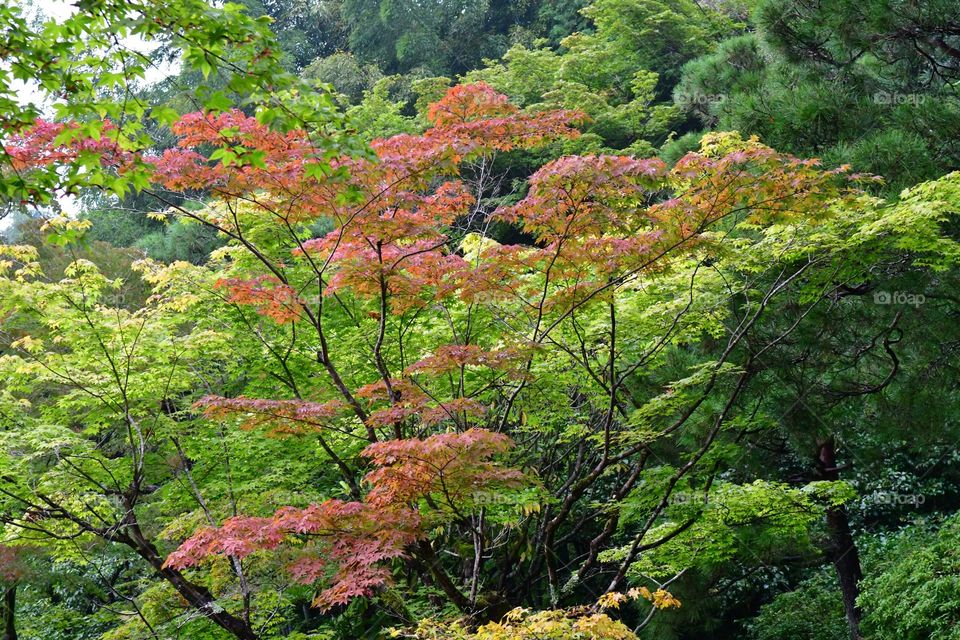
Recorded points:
599,225
471,394
520,355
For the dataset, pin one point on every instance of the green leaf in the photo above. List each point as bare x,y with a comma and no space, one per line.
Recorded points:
218,102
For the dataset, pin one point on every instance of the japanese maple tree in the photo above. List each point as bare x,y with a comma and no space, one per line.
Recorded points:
374,292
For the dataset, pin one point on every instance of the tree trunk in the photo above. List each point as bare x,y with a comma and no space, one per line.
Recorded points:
429,561
201,599
10,613
841,548
196,595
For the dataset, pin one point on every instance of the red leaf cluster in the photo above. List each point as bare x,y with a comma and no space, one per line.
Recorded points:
287,417
38,146
453,357
266,294
754,183
452,466
466,103
347,543
12,566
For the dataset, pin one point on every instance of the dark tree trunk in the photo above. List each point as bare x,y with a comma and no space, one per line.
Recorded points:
841,548
429,562
196,595
10,613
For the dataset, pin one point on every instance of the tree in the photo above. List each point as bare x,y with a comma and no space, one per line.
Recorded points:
621,73
305,30
871,84
506,422
920,560
378,273
345,73
447,37
628,120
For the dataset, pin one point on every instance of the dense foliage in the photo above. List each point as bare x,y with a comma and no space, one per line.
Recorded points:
480,320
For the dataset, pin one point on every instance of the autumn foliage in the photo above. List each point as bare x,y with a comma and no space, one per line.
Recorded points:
346,544
408,241
598,221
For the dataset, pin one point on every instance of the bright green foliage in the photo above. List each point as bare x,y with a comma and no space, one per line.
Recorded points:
378,115
617,73
757,521
180,240
911,591
114,263
653,35
120,227
345,73
98,393
541,79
